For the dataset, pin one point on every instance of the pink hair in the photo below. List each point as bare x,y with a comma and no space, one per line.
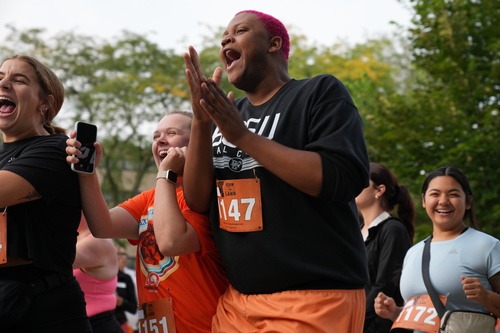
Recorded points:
275,28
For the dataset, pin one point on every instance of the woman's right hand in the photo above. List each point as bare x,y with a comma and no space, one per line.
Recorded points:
73,150
386,307
195,78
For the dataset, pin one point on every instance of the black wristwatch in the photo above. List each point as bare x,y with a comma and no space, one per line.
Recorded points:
169,175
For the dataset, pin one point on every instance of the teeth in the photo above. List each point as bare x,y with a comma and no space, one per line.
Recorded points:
162,153
6,99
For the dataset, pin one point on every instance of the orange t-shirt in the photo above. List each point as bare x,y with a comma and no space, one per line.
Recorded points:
194,281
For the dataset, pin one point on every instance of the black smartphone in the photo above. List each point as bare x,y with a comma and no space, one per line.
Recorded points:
86,134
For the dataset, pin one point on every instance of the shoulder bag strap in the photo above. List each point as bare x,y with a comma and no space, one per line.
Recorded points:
426,258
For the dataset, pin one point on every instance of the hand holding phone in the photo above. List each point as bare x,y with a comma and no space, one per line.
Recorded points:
86,134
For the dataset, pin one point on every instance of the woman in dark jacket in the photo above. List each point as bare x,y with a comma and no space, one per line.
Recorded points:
387,238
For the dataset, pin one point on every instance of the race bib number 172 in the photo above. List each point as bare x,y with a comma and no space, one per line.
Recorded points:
419,314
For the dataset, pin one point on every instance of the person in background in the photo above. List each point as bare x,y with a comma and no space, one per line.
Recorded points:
279,170
126,300
464,262
96,269
132,317
387,238
180,276
40,203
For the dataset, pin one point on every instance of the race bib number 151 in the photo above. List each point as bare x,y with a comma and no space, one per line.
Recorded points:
156,316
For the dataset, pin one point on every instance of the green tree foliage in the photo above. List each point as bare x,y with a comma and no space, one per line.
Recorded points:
124,86
455,96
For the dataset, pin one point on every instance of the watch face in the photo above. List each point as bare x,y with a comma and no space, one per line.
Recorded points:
171,176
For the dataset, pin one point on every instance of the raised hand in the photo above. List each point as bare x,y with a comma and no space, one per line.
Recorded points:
195,78
73,151
176,156
223,112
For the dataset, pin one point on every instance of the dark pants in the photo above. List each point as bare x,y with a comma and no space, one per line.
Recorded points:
105,322
61,309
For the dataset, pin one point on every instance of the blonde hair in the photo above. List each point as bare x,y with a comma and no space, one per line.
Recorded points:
187,114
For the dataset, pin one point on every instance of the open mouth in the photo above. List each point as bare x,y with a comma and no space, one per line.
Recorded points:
231,56
6,105
162,154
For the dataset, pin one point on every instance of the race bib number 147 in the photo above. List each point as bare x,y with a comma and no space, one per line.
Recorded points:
240,207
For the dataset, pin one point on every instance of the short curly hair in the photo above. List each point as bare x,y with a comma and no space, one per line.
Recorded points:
275,28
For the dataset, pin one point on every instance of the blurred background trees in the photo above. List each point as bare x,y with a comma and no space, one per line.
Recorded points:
428,97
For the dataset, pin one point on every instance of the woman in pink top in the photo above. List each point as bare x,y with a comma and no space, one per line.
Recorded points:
96,269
